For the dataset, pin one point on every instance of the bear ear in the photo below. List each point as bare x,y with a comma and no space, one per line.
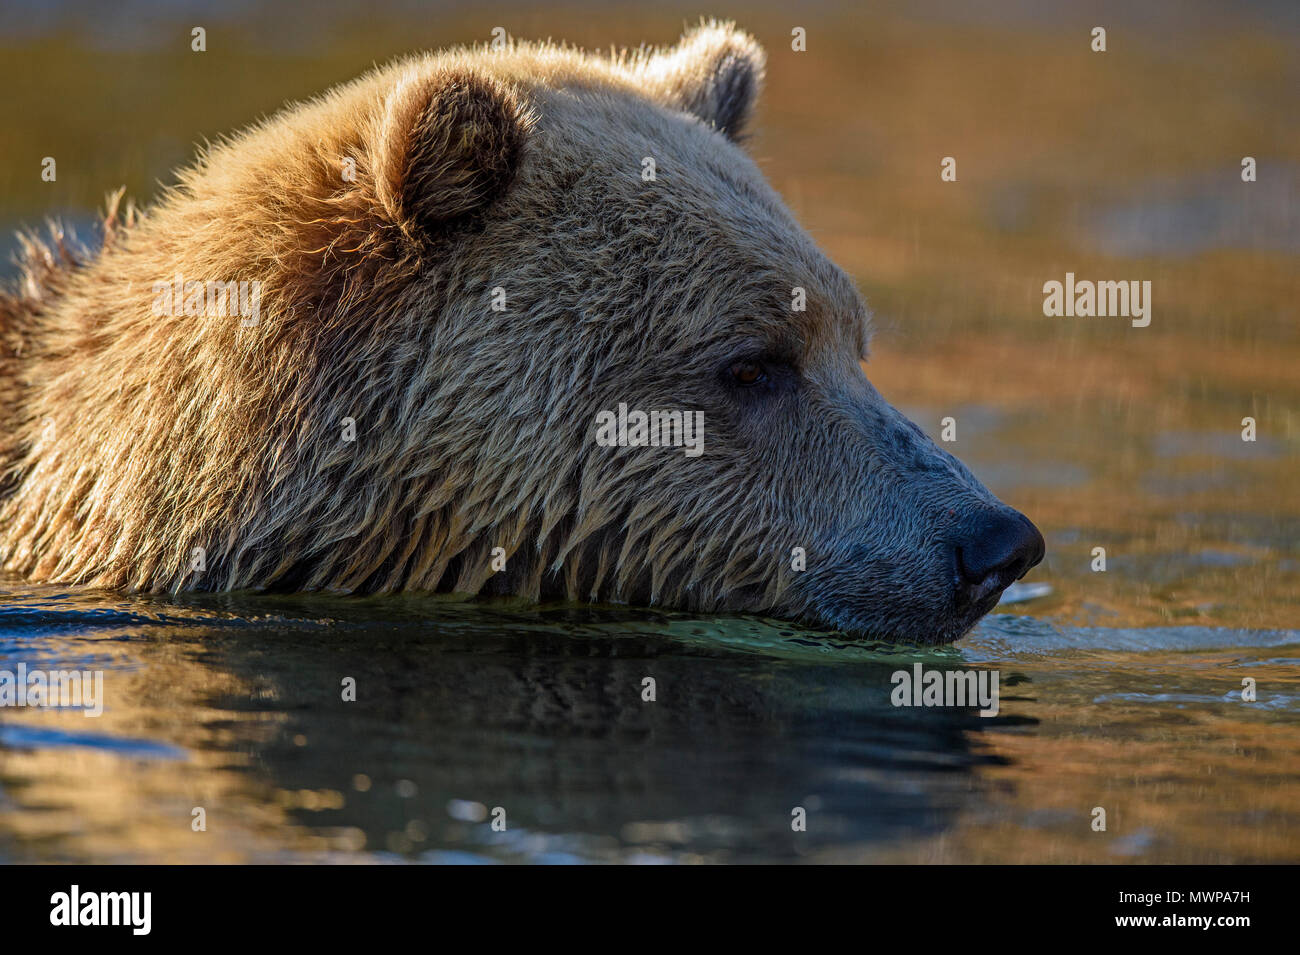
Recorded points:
448,145
714,72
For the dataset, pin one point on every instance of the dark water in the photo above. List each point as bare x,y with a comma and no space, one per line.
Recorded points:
234,704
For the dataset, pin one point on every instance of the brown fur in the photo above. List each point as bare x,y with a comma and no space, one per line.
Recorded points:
144,436
138,437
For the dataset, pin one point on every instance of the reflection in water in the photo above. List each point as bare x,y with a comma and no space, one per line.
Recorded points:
234,704
540,713
1182,218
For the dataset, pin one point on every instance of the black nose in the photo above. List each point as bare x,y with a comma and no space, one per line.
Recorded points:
997,548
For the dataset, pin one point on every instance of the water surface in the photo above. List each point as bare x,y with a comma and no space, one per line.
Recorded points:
234,704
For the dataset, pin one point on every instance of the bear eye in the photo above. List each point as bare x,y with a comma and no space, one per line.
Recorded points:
748,373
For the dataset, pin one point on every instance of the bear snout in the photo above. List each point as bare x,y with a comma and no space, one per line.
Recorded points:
996,548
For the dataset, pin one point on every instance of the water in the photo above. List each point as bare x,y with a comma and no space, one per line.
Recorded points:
234,705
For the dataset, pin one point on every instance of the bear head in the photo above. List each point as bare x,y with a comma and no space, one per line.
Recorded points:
499,265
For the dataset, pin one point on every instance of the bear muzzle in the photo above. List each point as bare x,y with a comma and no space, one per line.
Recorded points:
995,549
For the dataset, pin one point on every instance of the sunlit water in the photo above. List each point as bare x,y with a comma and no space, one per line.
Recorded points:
234,705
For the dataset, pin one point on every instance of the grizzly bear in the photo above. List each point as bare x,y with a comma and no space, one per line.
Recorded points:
370,345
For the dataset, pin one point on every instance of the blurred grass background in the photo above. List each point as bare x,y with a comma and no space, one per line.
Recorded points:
1117,165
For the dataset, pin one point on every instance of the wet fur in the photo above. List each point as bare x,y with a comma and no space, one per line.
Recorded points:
136,438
